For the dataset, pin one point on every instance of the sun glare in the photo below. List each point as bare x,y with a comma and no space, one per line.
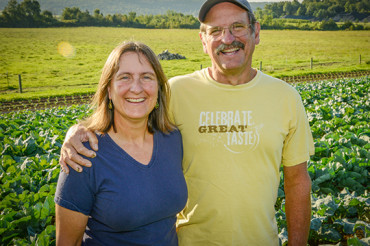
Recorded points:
66,49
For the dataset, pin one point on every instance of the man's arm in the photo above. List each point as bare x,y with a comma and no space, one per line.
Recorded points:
70,226
73,148
297,186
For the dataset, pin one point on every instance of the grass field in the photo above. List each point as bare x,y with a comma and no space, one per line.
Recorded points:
76,66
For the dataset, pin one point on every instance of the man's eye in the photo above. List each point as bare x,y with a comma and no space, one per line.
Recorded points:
238,26
215,31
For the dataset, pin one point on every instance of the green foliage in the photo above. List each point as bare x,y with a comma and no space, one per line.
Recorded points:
328,25
75,17
321,10
315,15
29,145
269,23
117,6
338,112
337,216
28,14
25,14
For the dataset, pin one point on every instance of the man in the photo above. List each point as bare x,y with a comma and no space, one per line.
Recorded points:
238,126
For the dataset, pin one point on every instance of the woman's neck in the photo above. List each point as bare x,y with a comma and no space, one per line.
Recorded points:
135,139
131,132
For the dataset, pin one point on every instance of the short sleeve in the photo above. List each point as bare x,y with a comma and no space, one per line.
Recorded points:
298,144
74,191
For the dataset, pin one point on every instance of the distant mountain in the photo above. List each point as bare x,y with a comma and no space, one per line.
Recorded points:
125,6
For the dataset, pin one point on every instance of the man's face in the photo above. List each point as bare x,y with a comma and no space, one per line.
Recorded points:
229,54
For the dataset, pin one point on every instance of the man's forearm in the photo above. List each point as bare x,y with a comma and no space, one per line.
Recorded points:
298,209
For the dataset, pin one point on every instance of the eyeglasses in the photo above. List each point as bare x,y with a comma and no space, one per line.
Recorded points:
236,29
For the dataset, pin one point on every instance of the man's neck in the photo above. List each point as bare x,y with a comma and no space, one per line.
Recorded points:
236,78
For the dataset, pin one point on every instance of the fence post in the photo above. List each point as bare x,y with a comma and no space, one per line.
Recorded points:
260,65
201,66
20,83
360,59
311,63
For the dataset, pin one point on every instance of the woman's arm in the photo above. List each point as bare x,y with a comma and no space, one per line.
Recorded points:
70,226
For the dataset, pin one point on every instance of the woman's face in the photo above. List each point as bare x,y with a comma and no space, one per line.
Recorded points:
134,88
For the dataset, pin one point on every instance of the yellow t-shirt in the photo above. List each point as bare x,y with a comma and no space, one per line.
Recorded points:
235,138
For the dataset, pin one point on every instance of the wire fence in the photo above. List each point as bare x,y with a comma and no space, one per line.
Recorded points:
28,82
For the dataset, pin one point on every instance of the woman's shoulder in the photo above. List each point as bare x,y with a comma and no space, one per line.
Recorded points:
175,133
104,142
172,138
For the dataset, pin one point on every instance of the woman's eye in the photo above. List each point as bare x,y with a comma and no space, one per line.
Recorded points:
148,78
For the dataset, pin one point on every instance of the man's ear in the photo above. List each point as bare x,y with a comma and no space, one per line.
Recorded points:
257,29
204,41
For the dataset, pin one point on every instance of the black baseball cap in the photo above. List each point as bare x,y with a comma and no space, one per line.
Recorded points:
207,5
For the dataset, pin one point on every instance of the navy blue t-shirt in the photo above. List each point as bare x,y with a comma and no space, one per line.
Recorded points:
128,203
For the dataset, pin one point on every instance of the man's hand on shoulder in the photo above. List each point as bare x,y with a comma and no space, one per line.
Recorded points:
73,148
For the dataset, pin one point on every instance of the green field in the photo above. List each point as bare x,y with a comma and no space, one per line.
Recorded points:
338,112
33,53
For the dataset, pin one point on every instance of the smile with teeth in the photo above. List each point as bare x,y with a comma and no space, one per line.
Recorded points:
135,100
230,50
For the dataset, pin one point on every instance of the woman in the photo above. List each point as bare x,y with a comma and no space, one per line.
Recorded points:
135,187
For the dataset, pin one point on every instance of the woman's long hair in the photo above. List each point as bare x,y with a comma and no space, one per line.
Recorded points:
102,118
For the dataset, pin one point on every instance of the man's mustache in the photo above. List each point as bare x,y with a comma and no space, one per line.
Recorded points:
234,44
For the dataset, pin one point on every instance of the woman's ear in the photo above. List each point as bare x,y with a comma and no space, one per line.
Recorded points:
109,96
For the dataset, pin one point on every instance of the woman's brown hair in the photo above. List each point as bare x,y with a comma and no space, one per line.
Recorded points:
102,118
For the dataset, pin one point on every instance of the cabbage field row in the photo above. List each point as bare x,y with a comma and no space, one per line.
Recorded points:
339,115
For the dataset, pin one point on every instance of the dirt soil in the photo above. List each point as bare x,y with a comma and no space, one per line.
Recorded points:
49,102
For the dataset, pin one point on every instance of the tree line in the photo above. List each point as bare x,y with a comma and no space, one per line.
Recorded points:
75,17
318,9
315,15
28,14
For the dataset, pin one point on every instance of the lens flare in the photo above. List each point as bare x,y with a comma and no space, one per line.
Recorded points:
66,49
